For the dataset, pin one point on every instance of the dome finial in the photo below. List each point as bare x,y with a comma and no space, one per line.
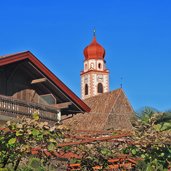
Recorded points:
94,32
94,50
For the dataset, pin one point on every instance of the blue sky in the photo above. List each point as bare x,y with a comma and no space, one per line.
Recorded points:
136,35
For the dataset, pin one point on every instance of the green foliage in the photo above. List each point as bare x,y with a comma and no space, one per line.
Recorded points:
150,166
35,164
36,116
152,141
18,139
146,112
96,155
3,169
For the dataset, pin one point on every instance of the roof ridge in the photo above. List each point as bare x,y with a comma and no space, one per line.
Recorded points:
13,54
128,100
120,90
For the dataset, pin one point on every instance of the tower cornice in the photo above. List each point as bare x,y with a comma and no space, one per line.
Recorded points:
95,71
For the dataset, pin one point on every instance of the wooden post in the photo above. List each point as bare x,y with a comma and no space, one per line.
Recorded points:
59,116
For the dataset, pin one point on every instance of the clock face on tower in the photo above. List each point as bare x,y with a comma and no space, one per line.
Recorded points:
100,78
91,65
86,79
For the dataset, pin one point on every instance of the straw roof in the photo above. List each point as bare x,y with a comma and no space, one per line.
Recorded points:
108,110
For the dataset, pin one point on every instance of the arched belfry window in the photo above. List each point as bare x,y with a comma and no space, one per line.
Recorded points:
99,65
85,66
100,88
86,89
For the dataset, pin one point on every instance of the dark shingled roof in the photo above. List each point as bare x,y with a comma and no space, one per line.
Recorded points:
108,110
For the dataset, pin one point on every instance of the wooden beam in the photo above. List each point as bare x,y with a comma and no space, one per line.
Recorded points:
62,105
37,81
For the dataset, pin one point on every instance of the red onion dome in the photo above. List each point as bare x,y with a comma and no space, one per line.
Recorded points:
94,50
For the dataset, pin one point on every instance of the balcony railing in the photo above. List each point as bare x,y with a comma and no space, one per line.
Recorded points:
12,107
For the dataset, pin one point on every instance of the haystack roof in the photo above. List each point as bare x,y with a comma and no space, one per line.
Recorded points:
108,110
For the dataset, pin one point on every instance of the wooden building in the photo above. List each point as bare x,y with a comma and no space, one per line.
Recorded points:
26,86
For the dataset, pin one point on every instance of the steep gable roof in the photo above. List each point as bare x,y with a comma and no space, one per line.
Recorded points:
104,102
103,106
27,55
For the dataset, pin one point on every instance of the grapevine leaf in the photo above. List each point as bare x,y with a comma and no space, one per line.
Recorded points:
51,147
36,116
12,141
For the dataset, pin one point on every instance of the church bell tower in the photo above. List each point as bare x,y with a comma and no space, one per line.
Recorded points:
95,75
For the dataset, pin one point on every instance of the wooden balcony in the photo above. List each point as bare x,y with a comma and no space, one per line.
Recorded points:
14,107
